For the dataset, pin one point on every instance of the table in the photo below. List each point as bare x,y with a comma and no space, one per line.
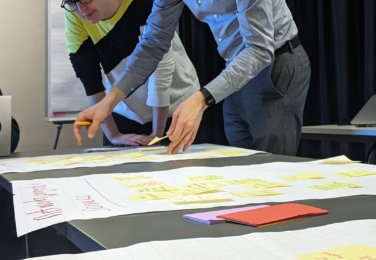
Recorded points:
121,231
344,133
59,122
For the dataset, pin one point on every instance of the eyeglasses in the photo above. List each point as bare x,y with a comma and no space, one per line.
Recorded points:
71,6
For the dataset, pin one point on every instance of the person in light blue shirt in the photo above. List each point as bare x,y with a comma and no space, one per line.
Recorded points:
265,81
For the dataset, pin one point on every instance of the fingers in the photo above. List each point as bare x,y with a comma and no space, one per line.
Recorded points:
175,146
171,130
93,128
131,143
132,139
191,140
77,135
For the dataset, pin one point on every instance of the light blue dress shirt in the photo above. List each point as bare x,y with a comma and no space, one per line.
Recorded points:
247,33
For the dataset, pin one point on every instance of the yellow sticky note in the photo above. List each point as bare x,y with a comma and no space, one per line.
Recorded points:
130,178
209,198
206,177
151,196
265,185
207,185
198,188
144,184
69,161
131,155
304,176
355,173
246,181
41,161
335,185
95,157
212,149
335,160
352,252
157,139
105,160
256,193
156,189
172,155
189,192
231,153
156,149
146,158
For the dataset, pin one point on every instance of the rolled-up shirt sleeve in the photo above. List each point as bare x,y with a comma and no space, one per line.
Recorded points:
256,27
156,41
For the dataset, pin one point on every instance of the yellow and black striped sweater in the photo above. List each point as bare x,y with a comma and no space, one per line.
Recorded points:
105,43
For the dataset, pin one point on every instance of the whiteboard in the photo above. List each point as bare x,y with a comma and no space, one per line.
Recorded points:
65,92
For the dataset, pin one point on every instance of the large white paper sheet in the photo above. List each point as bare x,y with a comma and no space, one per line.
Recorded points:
44,202
45,163
255,246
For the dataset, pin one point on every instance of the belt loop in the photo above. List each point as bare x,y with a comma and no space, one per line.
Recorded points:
291,47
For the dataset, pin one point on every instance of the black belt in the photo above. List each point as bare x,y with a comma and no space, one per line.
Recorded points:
289,46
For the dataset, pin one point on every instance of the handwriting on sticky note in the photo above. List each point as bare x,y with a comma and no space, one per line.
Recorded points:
198,188
156,189
211,149
130,178
146,158
256,193
195,199
189,192
266,185
151,196
207,185
96,157
355,173
335,160
107,160
335,185
144,184
246,181
231,153
41,161
155,149
69,161
206,177
304,176
356,251
131,155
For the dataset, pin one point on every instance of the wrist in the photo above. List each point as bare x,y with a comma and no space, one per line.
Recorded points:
206,97
113,98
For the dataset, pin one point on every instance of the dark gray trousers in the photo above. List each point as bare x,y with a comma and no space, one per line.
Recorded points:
267,113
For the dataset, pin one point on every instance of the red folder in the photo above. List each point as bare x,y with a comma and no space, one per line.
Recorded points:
273,214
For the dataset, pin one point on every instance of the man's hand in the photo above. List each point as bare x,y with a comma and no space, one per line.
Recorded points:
185,122
97,113
131,139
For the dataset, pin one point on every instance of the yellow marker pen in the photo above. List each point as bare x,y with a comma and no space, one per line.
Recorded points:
82,123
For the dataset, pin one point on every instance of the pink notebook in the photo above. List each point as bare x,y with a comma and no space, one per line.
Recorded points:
210,217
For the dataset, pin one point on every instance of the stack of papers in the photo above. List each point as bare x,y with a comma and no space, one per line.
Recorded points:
210,217
273,214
